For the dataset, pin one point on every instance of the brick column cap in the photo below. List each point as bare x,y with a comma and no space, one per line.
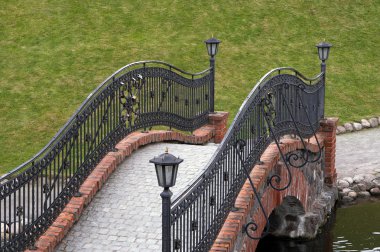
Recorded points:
219,115
329,121
329,124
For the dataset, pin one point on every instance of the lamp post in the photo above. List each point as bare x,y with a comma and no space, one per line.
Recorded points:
212,49
166,170
323,53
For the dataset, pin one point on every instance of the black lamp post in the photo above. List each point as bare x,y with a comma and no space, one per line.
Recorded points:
323,53
212,49
166,170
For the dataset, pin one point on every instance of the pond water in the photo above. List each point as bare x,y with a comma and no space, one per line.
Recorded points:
350,228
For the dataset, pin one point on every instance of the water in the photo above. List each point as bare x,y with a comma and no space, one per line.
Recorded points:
351,228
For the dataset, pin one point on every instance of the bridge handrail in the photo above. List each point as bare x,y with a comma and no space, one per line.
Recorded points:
210,197
86,101
139,95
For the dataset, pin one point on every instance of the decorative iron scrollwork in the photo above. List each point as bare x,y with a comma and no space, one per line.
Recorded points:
129,98
252,225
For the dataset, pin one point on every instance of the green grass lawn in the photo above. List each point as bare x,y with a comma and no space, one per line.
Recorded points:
54,53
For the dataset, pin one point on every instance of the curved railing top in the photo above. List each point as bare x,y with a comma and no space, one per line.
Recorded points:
269,75
283,102
90,97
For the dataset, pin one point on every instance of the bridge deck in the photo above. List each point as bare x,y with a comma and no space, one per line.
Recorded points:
126,214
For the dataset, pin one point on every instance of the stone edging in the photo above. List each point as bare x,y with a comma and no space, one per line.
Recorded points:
374,122
94,182
361,186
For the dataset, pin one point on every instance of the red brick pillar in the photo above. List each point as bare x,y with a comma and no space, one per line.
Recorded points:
328,129
219,121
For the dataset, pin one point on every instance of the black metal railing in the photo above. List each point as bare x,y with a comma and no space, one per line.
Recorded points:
283,102
138,96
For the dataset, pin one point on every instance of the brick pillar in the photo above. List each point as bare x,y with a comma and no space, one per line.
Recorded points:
219,121
328,129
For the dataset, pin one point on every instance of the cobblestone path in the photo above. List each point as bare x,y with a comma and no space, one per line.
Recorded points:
358,153
125,215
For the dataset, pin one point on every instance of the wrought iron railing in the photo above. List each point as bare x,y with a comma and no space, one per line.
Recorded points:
283,102
138,96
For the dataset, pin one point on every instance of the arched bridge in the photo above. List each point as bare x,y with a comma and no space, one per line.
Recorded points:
279,145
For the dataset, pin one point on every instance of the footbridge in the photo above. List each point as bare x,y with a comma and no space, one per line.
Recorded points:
273,170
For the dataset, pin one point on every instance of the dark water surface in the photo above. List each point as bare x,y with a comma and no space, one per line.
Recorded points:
351,228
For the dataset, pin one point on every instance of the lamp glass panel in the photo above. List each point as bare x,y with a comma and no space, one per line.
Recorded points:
209,49
320,53
160,175
168,175
175,174
326,53
214,48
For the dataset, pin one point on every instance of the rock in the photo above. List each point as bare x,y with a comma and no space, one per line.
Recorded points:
348,127
362,187
365,123
364,178
347,199
374,122
376,182
357,126
375,191
311,224
364,194
355,188
346,190
352,195
341,129
342,184
358,178
369,181
349,180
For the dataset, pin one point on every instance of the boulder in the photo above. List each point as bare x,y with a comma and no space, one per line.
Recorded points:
373,122
355,188
348,127
341,129
346,190
364,194
362,187
358,178
375,191
376,181
357,126
353,195
341,194
347,199
349,180
365,123
342,184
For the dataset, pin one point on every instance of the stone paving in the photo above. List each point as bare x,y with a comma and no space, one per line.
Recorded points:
358,152
125,215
